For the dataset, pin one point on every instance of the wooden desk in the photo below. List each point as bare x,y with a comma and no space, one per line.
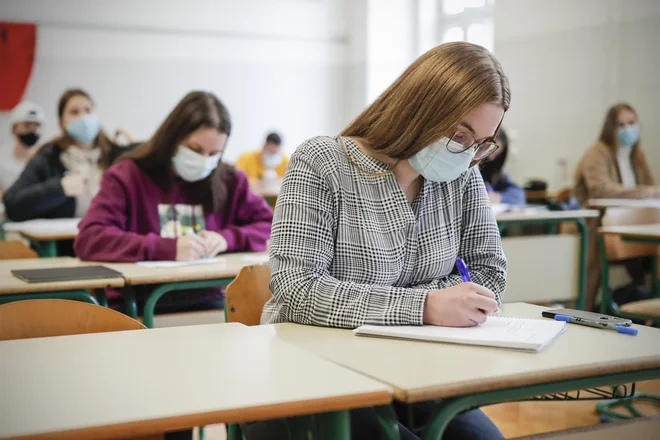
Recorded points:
43,233
648,234
623,203
181,278
138,383
14,289
554,266
470,376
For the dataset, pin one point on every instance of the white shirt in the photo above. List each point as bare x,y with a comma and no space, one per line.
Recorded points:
10,167
628,179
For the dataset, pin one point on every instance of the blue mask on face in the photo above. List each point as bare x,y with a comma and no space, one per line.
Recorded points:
629,135
84,129
436,163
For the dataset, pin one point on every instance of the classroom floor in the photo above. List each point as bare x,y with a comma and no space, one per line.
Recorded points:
528,418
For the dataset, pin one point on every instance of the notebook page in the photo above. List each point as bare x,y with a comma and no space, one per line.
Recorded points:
531,334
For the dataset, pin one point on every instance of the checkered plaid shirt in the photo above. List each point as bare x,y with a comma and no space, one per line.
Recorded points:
347,248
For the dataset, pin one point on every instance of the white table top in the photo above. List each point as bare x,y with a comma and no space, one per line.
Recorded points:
227,266
651,232
420,371
46,229
9,284
144,382
266,188
545,215
624,203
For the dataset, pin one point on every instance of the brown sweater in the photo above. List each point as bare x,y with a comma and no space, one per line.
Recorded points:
598,177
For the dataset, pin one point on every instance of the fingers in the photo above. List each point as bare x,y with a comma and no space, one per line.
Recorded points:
481,290
477,317
487,305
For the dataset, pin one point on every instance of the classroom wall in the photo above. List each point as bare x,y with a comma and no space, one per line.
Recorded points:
277,64
568,61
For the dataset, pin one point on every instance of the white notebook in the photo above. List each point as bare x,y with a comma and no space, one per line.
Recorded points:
498,331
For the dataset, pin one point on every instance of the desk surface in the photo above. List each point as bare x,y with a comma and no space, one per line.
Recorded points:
9,284
545,215
227,266
148,381
643,232
46,229
624,203
420,371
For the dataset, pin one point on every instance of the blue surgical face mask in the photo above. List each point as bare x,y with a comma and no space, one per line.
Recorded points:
192,166
435,162
629,135
84,129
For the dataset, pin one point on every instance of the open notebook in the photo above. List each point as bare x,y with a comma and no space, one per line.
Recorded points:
498,331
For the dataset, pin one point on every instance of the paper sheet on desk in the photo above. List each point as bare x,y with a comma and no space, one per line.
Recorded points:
245,259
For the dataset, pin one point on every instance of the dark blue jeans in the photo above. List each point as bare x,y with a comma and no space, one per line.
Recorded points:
470,425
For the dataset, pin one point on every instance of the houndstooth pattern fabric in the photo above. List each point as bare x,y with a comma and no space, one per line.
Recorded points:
347,248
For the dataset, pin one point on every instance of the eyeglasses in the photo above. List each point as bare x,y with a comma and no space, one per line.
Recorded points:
464,141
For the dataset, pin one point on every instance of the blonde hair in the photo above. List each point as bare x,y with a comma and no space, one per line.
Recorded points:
430,99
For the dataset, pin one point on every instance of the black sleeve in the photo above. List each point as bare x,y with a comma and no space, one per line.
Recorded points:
36,192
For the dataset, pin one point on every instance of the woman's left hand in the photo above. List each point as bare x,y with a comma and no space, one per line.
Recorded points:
127,134
214,243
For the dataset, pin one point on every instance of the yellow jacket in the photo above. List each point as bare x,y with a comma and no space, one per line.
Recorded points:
250,164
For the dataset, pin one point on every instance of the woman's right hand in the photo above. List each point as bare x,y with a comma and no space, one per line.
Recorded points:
464,305
73,184
189,247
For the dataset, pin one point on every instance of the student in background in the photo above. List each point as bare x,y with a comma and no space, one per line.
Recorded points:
368,225
615,167
266,163
501,189
173,199
63,177
26,120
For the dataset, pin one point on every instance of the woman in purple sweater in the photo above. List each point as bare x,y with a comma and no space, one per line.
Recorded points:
172,199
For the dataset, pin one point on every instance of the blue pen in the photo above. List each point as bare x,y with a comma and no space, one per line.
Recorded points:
463,270
602,325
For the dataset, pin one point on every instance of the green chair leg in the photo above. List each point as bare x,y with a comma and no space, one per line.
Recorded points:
608,409
234,432
201,433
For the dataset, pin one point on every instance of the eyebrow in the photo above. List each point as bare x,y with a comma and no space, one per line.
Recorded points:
468,126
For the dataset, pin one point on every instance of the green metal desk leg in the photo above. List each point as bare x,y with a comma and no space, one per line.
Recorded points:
388,422
101,297
45,249
335,425
158,292
454,406
234,432
584,251
605,292
130,302
655,284
77,295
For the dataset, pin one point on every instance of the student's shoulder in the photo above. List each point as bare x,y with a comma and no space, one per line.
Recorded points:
322,152
125,170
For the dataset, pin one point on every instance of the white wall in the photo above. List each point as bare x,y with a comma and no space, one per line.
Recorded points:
277,64
568,61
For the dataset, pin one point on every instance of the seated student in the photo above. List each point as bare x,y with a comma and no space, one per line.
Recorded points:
265,163
63,177
368,225
501,189
25,120
615,167
172,199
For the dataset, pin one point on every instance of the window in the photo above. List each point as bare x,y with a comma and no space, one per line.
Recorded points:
456,20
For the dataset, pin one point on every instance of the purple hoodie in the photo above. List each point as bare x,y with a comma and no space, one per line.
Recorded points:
132,219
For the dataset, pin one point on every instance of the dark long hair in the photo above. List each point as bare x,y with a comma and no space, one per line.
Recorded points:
102,141
196,110
491,170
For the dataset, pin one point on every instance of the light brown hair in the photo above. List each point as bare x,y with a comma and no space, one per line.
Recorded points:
108,148
196,110
430,99
609,134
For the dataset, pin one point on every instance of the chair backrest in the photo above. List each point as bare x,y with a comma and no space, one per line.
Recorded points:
15,250
616,248
247,294
39,318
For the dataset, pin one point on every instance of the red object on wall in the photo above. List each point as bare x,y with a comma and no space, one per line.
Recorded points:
18,43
